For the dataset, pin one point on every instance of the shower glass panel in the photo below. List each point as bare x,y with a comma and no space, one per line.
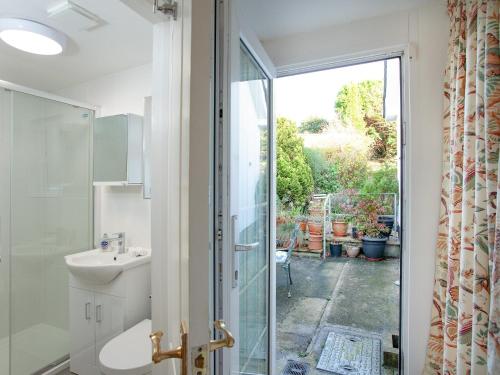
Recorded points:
50,217
4,229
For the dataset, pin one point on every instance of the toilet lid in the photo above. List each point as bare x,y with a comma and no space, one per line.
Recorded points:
129,353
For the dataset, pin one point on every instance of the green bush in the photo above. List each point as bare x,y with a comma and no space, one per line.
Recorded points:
324,172
384,180
313,125
351,167
355,101
294,182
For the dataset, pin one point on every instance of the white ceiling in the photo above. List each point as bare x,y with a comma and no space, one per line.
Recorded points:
276,18
125,41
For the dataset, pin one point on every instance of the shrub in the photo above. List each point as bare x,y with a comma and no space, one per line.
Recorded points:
351,168
384,180
324,172
368,210
294,178
313,125
384,136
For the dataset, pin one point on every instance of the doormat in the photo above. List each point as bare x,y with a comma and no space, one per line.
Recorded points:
347,351
295,368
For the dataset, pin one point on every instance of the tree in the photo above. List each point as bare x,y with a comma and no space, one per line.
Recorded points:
294,177
355,101
313,125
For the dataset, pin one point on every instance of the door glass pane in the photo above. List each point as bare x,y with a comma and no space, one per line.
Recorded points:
51,210
253,214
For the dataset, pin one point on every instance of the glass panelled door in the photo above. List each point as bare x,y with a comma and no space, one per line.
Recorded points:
250,200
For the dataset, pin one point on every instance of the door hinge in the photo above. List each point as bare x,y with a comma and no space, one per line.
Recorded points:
219,235
168,7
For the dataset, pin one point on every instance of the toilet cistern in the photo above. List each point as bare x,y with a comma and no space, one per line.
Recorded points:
118,237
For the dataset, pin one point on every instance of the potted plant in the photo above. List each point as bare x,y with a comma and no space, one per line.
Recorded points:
388,221
338,215
302,220
388,214
283,233
339,225
374,233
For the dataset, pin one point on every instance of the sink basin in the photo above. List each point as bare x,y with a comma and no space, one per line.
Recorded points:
98,267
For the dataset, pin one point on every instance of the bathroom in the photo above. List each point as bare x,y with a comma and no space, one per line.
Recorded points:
75,125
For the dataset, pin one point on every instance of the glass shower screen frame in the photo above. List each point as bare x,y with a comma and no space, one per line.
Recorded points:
46,213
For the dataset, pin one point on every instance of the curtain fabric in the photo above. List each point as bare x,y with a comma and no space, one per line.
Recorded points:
465,327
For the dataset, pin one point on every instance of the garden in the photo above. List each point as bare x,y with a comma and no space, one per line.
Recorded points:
337,180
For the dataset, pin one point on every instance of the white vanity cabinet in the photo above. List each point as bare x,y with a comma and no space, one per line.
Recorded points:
100,312
118,150
95,318
82,326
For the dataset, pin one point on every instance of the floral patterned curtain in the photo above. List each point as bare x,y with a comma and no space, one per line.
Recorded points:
465,328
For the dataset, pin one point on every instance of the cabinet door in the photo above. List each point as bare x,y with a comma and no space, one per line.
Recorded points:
81,326
110,149
109,319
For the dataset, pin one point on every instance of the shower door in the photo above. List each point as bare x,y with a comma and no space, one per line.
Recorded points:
4,225
48,215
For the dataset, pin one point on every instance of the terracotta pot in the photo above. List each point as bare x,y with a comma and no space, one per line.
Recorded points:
315,228
339,228
315,242
352,251
316,212
303,226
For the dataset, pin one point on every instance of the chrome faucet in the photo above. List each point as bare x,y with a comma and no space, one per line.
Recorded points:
119,238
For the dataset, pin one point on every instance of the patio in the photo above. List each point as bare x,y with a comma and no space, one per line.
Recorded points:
335,292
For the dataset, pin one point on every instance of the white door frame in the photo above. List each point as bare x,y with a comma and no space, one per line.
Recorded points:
169,206
182,177
406,53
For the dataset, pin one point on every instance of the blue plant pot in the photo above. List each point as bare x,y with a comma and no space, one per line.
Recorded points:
373,248
335,250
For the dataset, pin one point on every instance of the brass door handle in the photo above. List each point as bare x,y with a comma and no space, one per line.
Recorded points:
226,341
179,352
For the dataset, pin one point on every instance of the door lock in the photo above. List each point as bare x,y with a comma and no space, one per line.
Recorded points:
179,352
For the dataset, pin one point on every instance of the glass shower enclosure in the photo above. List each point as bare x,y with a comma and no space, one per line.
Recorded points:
45,213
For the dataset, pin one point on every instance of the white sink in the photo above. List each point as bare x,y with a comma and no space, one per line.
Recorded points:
99,267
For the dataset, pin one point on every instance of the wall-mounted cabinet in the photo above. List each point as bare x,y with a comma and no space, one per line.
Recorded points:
118,150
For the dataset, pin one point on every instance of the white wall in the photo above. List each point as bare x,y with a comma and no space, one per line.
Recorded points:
426,30
119,209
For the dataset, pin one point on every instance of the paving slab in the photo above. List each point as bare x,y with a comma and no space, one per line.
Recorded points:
335,292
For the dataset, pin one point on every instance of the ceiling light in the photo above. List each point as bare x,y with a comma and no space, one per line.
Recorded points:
31,36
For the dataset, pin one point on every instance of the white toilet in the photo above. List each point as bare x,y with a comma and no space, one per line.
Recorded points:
129,353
